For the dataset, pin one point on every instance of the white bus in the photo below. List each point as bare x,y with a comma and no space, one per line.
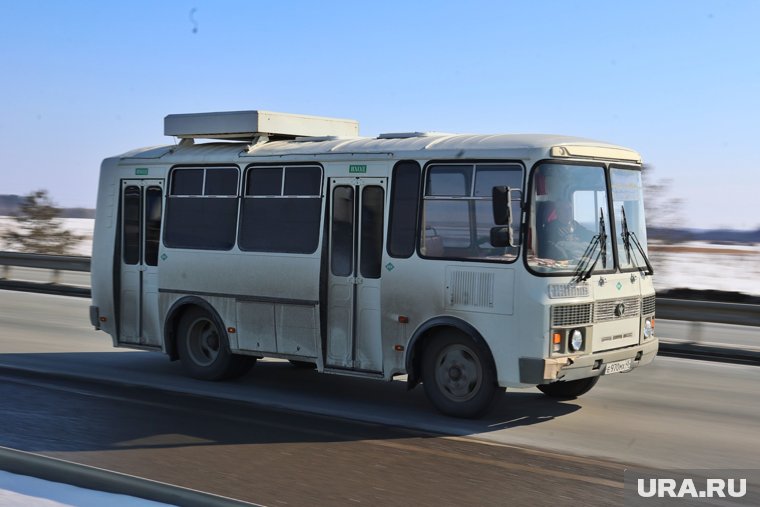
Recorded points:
469,263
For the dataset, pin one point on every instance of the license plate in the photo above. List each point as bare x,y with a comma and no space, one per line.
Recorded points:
618,366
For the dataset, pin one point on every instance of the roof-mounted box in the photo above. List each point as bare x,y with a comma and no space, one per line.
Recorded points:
245,125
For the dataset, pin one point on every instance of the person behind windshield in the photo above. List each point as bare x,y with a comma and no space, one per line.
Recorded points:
565,238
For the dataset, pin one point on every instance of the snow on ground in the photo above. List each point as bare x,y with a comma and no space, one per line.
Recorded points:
23,491
704,266
694,265
79,226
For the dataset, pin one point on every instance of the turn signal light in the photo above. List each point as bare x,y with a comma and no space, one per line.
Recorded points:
556,342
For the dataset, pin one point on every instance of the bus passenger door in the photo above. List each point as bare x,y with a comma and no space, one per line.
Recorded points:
141,209
354,340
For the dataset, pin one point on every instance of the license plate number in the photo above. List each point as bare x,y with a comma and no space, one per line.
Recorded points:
618,366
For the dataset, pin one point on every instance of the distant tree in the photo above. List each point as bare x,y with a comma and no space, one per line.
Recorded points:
38,227
663,211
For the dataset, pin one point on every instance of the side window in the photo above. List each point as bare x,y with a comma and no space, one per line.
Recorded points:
449,181
402,227
152,224
131,217
373,200
281,209
457,214
201,208
342,258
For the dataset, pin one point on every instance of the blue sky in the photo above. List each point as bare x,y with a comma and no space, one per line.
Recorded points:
678,80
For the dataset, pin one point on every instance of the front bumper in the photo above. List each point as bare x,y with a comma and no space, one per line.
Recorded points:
535,371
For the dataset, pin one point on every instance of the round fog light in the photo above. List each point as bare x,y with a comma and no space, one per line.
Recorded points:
648,330
576,340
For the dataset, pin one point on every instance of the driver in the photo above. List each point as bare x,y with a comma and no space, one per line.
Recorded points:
566,238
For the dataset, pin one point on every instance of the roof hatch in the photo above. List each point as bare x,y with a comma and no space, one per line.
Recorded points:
245,125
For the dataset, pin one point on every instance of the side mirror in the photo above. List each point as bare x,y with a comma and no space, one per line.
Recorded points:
502,236
502,211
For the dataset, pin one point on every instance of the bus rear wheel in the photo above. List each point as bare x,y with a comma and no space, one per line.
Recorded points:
458,376
569,390
204,349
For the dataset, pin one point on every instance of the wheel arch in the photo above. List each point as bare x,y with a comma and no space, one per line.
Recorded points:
174,316
425,332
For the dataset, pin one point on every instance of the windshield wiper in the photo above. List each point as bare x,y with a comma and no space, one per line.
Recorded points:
629,237
600,240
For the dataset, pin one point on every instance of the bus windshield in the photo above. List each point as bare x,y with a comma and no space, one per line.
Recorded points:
570,220
628,205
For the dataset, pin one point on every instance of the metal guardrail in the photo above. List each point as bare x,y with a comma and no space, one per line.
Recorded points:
668,309
54,262
99,479
708,311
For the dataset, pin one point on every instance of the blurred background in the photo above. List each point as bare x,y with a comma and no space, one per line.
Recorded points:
677,81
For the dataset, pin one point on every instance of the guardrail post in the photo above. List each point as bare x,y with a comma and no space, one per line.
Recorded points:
56,277
6,272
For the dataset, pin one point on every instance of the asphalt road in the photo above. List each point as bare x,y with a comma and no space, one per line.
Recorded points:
281,435
275,457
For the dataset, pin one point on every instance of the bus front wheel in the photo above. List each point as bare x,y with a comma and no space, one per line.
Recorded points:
204,350
569,390
458,376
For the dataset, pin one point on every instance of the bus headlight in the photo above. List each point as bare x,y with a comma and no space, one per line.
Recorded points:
576,340
648,328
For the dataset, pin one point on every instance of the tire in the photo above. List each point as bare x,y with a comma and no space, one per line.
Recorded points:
569,390
204,349
458,375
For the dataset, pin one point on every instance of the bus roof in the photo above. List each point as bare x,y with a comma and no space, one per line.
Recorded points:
392,146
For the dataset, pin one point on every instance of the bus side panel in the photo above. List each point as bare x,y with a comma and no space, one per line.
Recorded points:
271,299
482,296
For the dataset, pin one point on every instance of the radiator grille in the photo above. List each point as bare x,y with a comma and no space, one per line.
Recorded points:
571,315
647,305
469,288
613,309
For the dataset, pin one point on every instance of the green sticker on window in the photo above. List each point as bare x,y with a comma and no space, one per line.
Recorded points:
141,171
353,169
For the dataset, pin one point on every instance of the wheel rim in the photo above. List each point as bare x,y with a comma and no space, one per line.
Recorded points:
203,342
458,373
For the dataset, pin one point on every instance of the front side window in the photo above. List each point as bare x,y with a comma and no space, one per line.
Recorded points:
201,208
628,208
457,214
569,213
281,209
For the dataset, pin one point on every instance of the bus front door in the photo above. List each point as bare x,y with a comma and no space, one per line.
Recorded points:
356,248
141,208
